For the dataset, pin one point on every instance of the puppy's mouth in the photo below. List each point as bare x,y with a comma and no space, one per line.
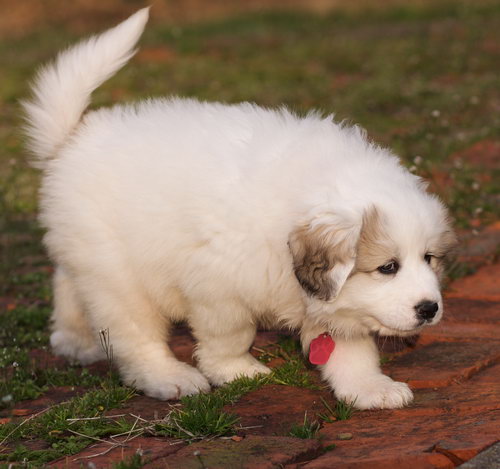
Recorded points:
379,328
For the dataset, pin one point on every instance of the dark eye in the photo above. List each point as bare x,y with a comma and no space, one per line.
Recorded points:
389,268
428,258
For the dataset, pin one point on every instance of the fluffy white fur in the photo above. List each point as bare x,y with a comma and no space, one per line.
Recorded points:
225,216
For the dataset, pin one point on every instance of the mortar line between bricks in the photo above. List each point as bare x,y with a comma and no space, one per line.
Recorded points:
481,366
454,459
155,459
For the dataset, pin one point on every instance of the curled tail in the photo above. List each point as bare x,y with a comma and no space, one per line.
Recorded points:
61,90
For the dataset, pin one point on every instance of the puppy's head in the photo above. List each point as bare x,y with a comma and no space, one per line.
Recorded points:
379,273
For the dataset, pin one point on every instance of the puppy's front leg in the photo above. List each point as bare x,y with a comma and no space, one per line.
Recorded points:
353,371
225,336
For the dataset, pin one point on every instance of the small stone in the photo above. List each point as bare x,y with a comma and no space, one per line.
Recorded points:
344,436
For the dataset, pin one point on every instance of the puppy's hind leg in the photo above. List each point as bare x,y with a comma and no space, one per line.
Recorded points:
224,339
72,335
138,335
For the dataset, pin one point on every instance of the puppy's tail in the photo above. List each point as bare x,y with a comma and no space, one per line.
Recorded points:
61,90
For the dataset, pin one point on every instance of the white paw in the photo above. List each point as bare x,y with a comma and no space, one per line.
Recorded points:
173,382
224,372
76,348
377,392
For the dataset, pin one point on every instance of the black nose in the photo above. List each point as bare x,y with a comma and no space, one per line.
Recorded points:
426,310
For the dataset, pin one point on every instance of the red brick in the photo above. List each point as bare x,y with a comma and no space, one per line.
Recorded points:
151,448
182,343
466,320
464,310
274,409
395,438
442,363
473,396
419,461
483,285
452,332
253,452
490,375
51,397
145,407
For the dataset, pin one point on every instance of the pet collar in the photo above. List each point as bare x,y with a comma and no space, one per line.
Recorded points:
321,348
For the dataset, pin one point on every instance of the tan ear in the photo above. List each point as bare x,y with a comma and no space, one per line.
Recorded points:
445,251
323,257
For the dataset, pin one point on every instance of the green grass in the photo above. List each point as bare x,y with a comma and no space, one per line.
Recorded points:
307,429
199,417
68,427
343,411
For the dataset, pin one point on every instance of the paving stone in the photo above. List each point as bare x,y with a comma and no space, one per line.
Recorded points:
463,332
182,343
414,461
465,320
483,285
274,409
53,396
488,459
477,397
102,457
442,363
442,428
252,452
465,310
399,439
490,375
145,407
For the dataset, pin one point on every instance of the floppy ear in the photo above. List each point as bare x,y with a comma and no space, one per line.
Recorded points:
445,251
324,254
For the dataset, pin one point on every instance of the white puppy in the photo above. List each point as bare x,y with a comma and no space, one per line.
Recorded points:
225,216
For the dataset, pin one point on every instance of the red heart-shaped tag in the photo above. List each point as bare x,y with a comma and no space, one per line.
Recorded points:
320,349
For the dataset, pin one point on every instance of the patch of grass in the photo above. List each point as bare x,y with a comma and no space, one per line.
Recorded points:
22,375
22,379
24,326
200,416
68,427
233,391
343,411
384,359
308,429
293,373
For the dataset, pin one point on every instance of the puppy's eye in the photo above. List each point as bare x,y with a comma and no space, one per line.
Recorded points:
428,258
389,268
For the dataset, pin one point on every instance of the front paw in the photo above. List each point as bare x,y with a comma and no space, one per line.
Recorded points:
376,392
